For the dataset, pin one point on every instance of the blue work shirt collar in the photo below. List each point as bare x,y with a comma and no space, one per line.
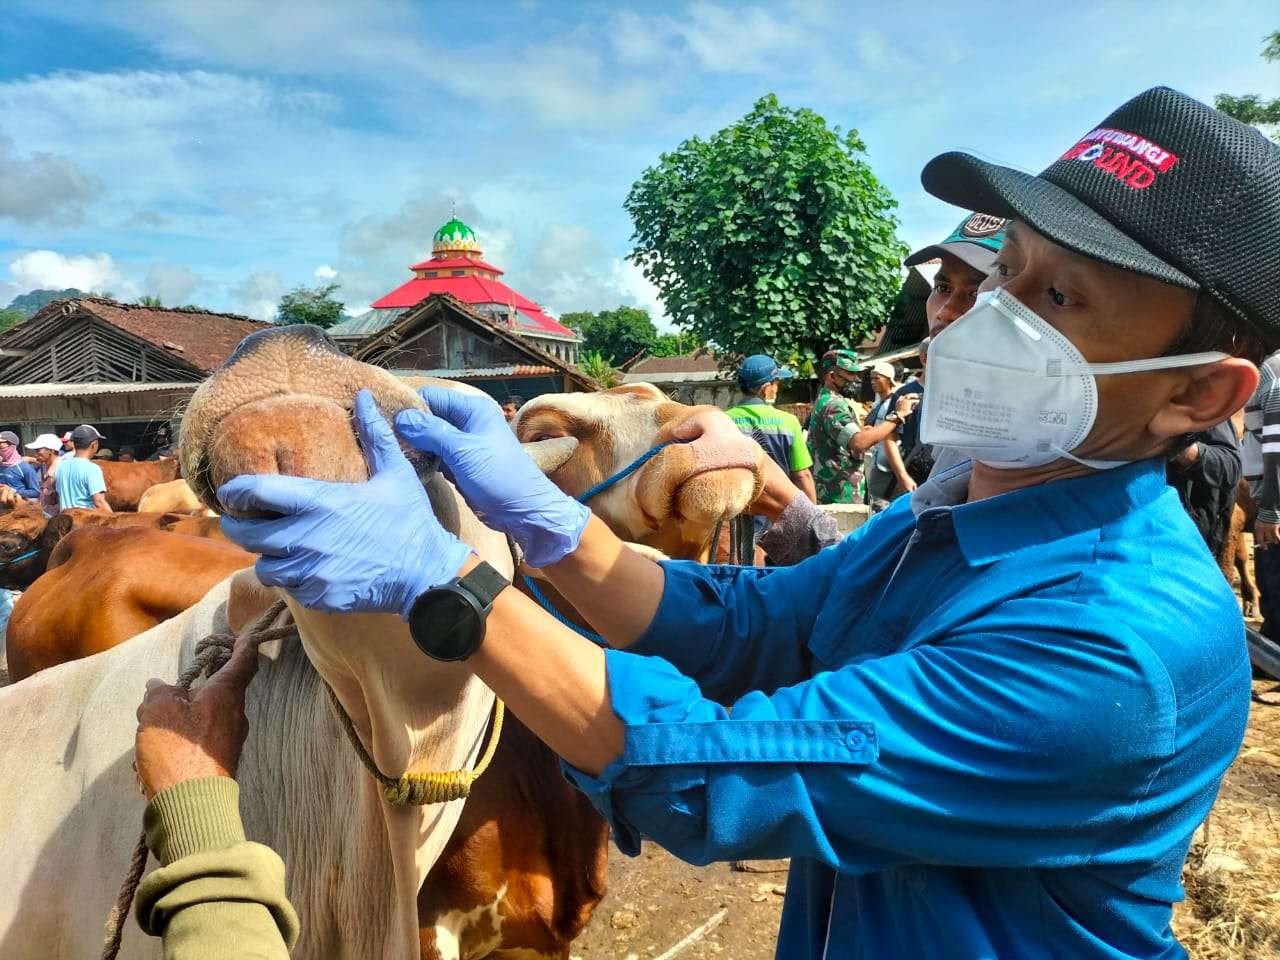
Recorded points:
998,527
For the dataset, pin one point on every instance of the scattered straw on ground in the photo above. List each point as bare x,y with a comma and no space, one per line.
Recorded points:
1232,910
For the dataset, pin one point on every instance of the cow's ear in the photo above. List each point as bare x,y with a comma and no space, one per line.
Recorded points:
57,528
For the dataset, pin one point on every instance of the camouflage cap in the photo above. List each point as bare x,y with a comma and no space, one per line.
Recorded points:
844,359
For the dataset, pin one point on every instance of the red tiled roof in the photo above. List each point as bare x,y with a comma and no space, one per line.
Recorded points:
455,263
204,340
473,290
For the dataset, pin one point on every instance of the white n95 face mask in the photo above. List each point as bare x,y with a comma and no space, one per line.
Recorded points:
1005,387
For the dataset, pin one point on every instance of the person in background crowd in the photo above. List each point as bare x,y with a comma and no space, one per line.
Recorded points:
511,406
909,460
875,467
837,466
967,257
104,453
777,431
79,480
1206,473
126,455
1261,461
45,449
68,448
15,472
165,447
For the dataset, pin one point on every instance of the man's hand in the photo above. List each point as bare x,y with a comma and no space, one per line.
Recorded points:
907,404
1189,455
1266,534
183,736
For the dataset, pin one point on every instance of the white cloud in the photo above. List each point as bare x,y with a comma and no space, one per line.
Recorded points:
571,272
43,187
172,284
324,273
258,295
49,270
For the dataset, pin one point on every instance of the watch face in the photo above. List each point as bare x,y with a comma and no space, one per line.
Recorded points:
446,625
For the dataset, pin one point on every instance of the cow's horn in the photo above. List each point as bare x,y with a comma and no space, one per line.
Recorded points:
551,454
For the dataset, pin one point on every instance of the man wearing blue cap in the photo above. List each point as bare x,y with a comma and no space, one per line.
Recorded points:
776,430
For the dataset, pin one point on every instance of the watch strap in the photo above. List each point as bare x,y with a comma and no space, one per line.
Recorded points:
484,583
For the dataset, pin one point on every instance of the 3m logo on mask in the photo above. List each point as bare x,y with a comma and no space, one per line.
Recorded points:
1133,160
1054,418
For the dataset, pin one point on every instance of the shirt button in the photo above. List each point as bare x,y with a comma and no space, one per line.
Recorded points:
855,740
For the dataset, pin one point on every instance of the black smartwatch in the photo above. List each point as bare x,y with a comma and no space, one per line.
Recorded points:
447,622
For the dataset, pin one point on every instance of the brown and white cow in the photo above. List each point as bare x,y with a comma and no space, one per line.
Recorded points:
526,865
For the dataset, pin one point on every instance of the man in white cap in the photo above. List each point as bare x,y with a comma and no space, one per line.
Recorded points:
46,448
79,480
879,478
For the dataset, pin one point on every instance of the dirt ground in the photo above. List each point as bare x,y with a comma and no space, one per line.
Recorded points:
1232,878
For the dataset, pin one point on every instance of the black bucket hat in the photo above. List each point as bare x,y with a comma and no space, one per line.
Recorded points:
1166,187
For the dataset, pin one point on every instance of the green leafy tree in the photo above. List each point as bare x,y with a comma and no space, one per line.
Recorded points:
773,236
672,345
10,319
617,335
599,369
149,301
1251,108
314,305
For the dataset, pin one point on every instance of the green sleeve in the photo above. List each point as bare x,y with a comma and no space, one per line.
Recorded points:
216,895
800,456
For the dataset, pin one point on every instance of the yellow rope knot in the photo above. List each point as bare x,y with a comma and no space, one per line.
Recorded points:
419,789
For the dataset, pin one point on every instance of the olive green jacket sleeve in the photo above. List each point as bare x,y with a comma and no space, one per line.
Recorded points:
215,895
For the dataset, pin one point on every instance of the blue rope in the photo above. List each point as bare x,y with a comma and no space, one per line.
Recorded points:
18,559
622,474
550,608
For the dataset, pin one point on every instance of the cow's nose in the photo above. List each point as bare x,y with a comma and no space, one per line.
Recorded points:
302,334
716,441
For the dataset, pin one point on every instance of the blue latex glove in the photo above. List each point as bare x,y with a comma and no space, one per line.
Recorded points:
344,547
503,486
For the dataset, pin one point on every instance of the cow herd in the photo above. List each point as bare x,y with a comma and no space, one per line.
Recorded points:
515,870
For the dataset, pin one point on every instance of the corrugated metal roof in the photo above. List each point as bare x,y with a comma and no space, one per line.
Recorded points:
676,376
371,321
462,373
89,389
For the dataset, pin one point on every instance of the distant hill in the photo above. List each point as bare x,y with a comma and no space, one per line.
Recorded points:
28,304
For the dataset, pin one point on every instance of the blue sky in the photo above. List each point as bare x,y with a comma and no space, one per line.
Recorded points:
222,152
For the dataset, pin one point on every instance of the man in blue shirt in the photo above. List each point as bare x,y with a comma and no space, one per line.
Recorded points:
79,480
987,723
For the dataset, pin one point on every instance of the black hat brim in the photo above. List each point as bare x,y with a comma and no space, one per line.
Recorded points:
966,181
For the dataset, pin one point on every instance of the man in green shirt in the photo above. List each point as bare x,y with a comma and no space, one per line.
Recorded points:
837,471
777,431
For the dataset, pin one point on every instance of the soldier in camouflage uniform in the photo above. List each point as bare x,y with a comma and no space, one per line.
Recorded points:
837,467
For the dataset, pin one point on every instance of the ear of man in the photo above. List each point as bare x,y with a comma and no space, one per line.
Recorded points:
1207,396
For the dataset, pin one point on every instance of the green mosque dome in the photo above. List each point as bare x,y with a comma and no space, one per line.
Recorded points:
455,237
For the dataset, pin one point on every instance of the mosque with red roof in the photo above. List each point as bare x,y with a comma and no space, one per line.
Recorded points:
457,267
